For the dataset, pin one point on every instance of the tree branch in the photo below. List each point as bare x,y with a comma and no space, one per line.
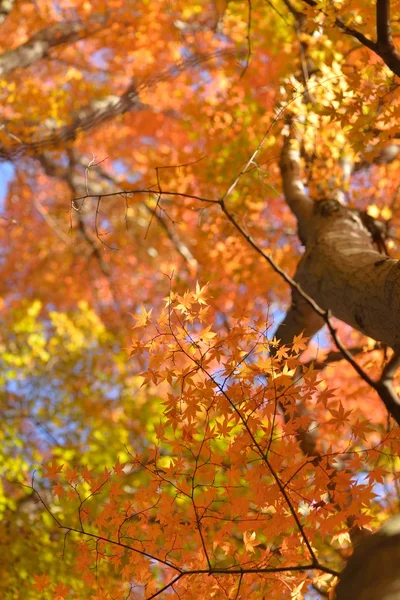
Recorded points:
385,44
101,110
295,194
347,30
40,43
385,387
384,47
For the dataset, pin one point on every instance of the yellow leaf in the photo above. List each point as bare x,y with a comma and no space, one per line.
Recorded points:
143,318
373,211
386,213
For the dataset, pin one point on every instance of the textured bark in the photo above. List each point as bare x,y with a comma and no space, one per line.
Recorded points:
372,572
293,187
340,269
344,273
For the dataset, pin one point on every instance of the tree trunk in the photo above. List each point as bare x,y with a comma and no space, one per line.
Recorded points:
373,572
340,269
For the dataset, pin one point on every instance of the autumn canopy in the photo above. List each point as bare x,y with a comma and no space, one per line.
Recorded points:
199,295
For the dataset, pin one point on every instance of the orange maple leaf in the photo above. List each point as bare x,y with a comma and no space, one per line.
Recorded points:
142,318
42,582
58,489
53,469
299,343
118,468
250,542
339,416
61,591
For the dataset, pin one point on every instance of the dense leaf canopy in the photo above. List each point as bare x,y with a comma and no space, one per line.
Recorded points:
155,433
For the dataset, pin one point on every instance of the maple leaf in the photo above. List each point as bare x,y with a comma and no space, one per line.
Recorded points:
61,591
299,343
224,428
58,489
159,430
118,468
361,428
42,582
53,469
250,542
282,353
143,318
342,538
71,474
87,474
339,416
115,490
378,474
234,436
296,592
200,295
